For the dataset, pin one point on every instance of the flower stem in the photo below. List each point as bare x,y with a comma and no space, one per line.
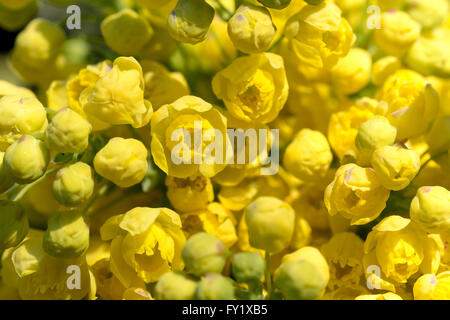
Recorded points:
268,276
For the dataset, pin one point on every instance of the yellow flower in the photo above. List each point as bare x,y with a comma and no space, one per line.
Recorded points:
259,93
430,209
126,32
356,194
344,253
344,125
237,197
156,3
10,89
161,86
432,287
174,129
251,28
146,243
189,194
20,115
215,219
429,57
38,276
398,248
56,95
352,72
308,156
397,32
319,35
123,161
270,223
429,13
68,132
117,97
412,103
395,166
383,68
381,296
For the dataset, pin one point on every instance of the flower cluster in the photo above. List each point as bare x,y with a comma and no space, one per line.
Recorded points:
219,149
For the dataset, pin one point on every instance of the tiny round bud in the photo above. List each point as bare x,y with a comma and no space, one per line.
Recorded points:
248,266
299,280
214,286
67,235
190,20
68,132
175,286
26,159
204,253
275,4
270,223
73,184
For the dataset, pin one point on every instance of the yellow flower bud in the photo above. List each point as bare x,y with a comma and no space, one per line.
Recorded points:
26,159
395,166
189,194
20,115
397,32
161,86
275,4
381,296
319,35
352,72
432,287
248,267
429,13
313,256
251,28
5,181
308,156
68,132
36,48
398,247
429,57
126,32
12,19
190,20
117,97
178,156
356,193
175,286
73,184
270,223
13,224
375,132
67,235
122,161
412,103
257,95
204,253
214,286
15,4
430,209
344,253
153,4
9,89
383,68
215,219
146,243
57,95
299,280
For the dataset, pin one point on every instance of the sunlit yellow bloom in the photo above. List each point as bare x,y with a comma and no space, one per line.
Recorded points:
383,68
432,287
381,296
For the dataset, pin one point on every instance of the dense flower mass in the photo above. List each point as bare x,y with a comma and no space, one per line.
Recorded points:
225,149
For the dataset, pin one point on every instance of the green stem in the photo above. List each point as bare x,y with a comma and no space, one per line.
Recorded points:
268,276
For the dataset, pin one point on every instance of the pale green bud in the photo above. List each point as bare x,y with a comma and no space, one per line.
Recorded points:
214,286
74,184
428,13
67,235
13,224
68,132
374,133
126,32
299,280
190,20
26,159
429,57
204,253
175,286
248,267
